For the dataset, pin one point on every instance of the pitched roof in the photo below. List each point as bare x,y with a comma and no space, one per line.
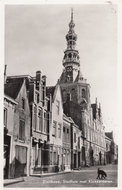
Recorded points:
79,77
63,78
73,110
13,86
109,135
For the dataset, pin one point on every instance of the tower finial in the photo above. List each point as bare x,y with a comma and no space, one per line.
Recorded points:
72,14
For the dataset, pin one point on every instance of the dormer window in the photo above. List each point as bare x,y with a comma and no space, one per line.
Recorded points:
23,103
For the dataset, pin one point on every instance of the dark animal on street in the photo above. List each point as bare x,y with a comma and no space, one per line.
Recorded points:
101,174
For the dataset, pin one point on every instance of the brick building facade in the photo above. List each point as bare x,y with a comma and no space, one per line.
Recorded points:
9,114
77,104
20,129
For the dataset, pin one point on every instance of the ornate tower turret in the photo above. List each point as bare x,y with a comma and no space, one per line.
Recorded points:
71,60
71,80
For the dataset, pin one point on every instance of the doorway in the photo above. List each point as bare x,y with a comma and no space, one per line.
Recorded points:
7,141
20,161
75,161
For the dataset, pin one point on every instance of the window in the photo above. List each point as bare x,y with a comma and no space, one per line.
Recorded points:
54,129
37,97
35,117
57,107
64,95
45,121
70,55
73,94
67,130
23,103
43,93
83,93
64,129
67,134
22,130
59,130
74,137
5,117
79,142
40,116
70,37
70,42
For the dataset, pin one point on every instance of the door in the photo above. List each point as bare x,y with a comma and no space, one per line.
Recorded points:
75,161
20,161
6,155
78,159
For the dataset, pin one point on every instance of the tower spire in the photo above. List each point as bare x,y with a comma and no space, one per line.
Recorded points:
71,60
72,14
71,54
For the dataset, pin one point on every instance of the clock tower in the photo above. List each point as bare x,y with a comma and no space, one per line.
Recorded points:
71,60
71,81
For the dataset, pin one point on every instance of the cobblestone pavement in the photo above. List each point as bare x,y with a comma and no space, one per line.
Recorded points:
78,178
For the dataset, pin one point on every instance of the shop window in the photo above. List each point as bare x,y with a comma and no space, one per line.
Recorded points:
50,158
54,158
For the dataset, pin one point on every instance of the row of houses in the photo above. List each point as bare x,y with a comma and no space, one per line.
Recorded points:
38,136
54,128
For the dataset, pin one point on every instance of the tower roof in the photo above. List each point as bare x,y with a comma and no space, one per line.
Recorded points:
71,24
71,36
80,78
70,54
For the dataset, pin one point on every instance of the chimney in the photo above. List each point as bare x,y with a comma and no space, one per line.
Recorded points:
43,89
96,101
38,80
44,79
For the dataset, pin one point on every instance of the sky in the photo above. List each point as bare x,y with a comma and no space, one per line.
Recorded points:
35,40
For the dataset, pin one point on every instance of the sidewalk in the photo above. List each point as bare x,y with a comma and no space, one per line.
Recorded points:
51,174
12,181
22,179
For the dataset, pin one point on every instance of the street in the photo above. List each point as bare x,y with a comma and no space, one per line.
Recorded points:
86,177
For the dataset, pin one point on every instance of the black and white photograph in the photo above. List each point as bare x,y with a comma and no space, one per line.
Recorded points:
60,124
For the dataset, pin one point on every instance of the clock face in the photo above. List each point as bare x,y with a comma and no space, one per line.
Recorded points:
69,69
69,73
